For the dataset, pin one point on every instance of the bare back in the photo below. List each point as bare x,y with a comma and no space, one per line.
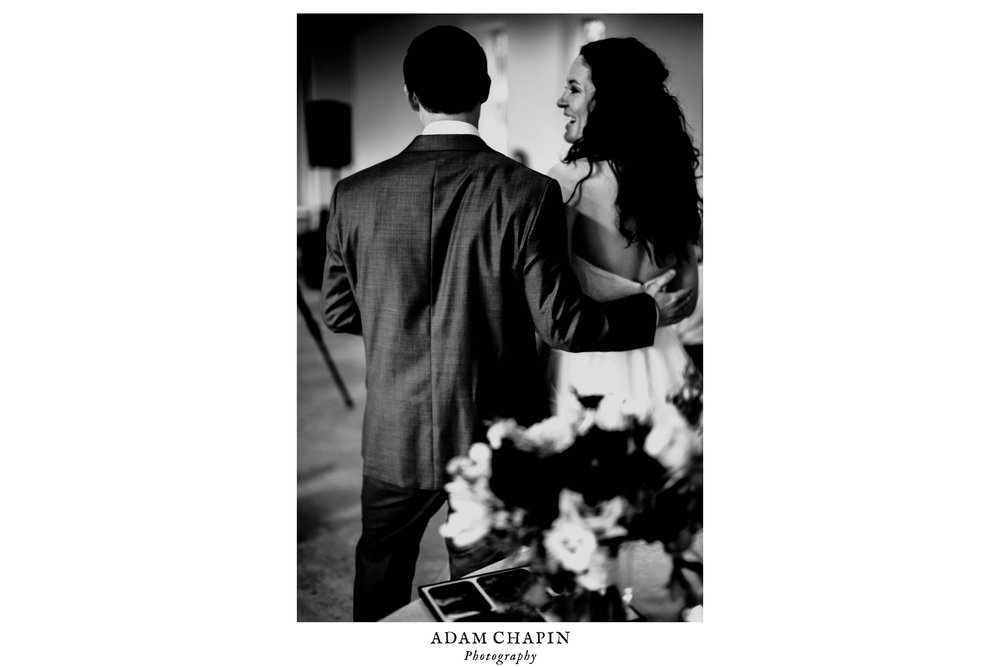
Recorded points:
592,223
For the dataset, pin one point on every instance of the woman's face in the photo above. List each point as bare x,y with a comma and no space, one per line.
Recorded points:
577,99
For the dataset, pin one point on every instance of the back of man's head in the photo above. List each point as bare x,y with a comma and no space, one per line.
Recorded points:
445,68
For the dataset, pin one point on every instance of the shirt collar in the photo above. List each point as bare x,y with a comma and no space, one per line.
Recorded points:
450,127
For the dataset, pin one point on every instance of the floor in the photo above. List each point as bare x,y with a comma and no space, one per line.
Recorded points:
329,478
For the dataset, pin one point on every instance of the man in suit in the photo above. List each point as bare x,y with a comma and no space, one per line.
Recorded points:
446,259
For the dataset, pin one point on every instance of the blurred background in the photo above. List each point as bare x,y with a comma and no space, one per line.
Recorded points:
352,113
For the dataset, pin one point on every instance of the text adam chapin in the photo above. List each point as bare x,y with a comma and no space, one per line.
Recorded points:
501,637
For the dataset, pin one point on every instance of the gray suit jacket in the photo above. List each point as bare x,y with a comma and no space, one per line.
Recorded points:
446,259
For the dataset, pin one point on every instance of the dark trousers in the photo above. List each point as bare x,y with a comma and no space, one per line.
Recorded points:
393,520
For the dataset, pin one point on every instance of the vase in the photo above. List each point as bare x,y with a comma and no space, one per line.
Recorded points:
652,584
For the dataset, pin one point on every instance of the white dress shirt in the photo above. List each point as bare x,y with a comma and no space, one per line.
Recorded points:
450,127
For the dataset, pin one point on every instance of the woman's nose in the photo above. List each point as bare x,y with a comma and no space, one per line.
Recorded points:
561,102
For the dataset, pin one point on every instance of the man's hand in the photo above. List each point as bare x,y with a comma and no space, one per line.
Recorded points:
659,283
675,306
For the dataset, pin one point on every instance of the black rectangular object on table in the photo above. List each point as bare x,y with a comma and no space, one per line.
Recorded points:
480,598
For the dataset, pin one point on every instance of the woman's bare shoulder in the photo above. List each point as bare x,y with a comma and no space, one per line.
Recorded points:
566,176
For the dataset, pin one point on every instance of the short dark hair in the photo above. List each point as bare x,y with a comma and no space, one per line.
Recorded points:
445,68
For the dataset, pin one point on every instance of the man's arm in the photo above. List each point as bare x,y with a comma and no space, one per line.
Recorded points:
340,310
563,315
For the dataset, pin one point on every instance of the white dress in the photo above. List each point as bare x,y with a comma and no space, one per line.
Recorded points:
649,375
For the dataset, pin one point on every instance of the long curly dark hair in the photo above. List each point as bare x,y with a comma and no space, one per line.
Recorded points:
637,126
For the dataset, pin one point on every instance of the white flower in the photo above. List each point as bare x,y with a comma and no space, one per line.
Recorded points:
640,409
502,520
468,523
481,487
605,524
570,503
504,428
612,414
480,453
666,418
480,456
572,410
596,576
693,615
454,466
586,422
471,516
551,435
472,506
570,545
459,489
671,441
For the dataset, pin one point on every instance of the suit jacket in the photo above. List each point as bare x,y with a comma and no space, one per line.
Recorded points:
446,259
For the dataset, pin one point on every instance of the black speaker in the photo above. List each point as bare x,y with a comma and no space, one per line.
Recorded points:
328,133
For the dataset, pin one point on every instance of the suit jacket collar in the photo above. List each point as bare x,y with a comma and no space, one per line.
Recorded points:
447,142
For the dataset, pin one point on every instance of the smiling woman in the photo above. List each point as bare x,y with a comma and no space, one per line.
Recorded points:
577,97
611,85
633,212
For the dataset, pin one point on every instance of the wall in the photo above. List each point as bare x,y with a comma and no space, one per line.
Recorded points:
536,68
362,63
384,124
325,73
678,41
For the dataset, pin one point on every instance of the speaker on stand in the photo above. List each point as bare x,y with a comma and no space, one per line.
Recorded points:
328,139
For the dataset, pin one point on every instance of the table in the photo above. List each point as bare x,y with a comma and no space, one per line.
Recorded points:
648,572
417,612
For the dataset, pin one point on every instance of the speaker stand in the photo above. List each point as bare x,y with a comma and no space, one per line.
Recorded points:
317,335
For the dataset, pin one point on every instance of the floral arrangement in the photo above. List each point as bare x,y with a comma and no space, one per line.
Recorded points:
578,489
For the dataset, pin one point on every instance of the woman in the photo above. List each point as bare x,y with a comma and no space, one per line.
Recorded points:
633,210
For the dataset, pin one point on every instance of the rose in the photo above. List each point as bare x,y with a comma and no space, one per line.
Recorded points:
596,576
467,525
612,414
617,413
573,411
572,542
570,545
476,465
603,524
471,501
693,615
477,490
501,430
639,409
471,517
570,503
550,436
671,441
480,455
